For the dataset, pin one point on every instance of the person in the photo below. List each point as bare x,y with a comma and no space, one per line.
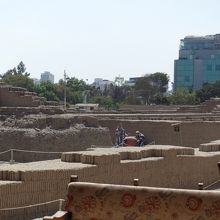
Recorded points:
121,131
117,140
140,139
119,136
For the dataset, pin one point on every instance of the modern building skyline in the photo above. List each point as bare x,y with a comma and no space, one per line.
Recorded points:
132,81
47,77
198,63
102,83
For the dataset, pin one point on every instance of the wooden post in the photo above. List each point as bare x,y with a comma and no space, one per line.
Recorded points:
12,157
218,164
200,186
136,182
61,204
74,178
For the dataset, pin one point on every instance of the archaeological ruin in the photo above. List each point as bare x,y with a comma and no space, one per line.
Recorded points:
42,145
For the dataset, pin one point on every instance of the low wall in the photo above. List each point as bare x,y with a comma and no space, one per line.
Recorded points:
102,201
21,111
40,182
210,147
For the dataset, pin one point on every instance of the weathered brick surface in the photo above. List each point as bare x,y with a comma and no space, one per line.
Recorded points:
162,166
191,134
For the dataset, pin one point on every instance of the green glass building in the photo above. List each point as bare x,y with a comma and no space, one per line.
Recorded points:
199,62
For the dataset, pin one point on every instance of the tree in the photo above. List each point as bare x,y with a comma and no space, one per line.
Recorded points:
105,102
160,100
18,77
208,91
132,100
76,84
118,93
183,97
94,91
47,90
21,68
150,86
144,88
160,82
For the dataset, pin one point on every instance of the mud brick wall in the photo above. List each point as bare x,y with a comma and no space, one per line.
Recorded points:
191,134
50,141
175,171
17,98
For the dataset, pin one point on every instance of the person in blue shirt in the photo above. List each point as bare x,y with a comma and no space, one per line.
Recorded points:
140,139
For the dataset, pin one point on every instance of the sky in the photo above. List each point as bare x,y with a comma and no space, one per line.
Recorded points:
100,38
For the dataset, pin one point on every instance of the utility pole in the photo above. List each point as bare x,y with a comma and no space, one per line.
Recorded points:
64,90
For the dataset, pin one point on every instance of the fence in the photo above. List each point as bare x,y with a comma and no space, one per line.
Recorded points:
32,211
21,156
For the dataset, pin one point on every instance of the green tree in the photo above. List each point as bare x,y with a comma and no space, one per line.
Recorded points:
118,93
160,82
160,100
21,68
151,86
132,100
18,77
144,88
76,84
47,90
105,102
208,91
75,90
183,97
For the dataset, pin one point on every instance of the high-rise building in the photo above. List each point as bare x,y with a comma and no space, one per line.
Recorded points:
198,63
47,77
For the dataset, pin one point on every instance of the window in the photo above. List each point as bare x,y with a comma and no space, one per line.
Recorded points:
209,67
217,67
187,79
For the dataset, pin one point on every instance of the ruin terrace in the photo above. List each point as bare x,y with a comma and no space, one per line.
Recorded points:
41,147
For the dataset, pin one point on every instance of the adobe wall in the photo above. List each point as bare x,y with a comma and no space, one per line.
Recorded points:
104,201
154,165
18,101
49,134
191,134
15,97
60,133
47,180
22,111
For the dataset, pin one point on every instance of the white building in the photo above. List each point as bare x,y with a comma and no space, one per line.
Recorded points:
101,83
131,81
47,77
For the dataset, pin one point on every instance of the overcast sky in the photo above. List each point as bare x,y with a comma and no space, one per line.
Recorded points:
100,38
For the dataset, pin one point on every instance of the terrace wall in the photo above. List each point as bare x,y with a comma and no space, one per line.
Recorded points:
191,134
176,171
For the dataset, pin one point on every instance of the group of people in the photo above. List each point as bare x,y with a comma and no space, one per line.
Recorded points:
121,135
